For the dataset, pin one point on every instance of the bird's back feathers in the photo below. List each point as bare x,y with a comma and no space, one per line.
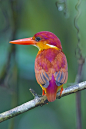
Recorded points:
51,71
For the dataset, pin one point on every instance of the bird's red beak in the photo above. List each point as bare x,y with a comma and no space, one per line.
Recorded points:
25,41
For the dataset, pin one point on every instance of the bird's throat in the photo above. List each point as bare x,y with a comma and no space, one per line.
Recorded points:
42,46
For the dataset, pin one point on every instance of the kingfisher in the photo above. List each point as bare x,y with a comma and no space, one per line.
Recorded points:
51,68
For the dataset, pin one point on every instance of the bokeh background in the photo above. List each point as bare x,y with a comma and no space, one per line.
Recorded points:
24,18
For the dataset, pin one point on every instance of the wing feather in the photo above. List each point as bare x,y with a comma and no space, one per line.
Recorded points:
43,79
61,77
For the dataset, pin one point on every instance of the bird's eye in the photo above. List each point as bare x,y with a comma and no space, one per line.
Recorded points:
37,39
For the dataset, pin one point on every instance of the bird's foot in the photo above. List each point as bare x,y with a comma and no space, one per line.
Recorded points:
43,92
61,91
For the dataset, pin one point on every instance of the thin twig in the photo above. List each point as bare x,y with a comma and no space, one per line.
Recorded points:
39,101
81,61
78,94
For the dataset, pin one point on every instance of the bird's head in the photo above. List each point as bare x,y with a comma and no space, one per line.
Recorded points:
42,40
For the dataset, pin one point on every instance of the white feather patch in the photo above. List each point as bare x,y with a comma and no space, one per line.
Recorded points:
52,46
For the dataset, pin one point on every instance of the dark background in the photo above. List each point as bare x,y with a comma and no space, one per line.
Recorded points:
22,19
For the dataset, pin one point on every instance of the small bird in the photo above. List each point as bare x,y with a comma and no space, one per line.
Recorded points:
51,68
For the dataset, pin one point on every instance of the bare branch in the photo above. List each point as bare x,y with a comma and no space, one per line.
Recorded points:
39,101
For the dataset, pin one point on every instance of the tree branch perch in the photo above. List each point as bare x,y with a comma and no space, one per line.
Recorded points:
39,101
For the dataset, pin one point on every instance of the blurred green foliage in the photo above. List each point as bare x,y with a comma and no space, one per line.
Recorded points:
34,16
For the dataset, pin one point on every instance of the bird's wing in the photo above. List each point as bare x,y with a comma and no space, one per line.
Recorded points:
61,77
42,78
45,67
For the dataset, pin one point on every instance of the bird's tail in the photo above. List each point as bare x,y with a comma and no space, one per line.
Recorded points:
51,90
